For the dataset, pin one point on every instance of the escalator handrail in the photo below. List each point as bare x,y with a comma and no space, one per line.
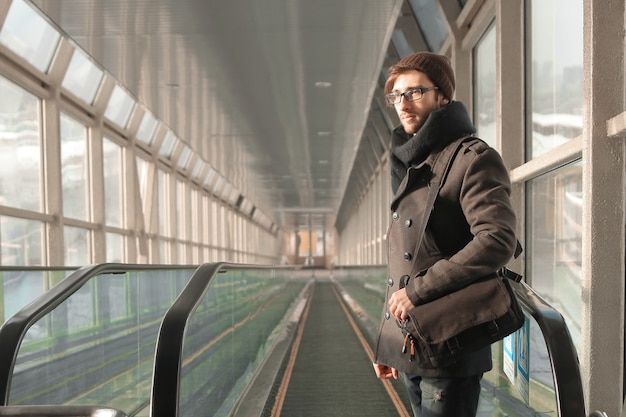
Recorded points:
59,411
14,329
561,351
164,399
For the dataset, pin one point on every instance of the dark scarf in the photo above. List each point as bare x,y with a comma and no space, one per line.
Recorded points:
442,127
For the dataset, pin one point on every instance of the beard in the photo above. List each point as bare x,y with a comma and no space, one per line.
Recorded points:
413,123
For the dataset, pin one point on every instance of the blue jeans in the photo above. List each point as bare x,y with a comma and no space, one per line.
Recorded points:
443,397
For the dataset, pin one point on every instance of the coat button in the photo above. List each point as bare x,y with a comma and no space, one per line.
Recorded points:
408,222
407,256
387,315
395,215
390,282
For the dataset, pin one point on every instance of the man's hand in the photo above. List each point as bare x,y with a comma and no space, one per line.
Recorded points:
385,372
399,304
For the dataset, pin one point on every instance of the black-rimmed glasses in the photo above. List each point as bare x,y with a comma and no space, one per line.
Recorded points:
412,94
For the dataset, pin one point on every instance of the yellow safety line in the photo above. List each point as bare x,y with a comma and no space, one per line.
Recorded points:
393,395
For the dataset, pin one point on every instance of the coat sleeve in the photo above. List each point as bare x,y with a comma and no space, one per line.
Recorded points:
481,183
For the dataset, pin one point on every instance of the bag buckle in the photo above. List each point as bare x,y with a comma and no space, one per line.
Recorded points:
507,273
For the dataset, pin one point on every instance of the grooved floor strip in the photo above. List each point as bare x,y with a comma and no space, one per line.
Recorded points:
332,374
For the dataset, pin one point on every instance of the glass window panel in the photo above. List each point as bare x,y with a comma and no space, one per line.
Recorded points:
206,219
168,145
554,254
82,77
197,168
164,251
115,247
226,191
143,176
21,241
209,177
29,35
164,199
120,107
74,168
185,155
400,43
233,196
181,253
147,128
20,148
218,186
116,287
556,73
196,218
113,184
181,210
77,246
430,22
485,87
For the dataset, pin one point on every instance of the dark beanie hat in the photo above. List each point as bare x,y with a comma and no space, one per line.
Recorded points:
436,67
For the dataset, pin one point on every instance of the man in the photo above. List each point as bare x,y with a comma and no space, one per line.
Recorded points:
470,232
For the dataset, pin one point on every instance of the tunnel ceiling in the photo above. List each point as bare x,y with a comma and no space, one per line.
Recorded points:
274,94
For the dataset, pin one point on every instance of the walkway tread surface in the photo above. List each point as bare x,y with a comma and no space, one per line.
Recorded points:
333,375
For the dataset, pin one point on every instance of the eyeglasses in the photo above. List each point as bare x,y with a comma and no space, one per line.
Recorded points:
412,94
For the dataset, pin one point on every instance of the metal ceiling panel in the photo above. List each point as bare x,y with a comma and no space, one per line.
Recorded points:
273,94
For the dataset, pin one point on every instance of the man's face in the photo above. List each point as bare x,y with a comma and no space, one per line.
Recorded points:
413,114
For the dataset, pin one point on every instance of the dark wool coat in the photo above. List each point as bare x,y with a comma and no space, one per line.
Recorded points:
470,234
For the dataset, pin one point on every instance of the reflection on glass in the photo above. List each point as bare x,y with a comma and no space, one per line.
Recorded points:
20,148
19,288
98,346
430,22
485,87
77,246
21,241
556,76
147,128
74,168
113,184
119,107
82,77
231,333
554,253
29,35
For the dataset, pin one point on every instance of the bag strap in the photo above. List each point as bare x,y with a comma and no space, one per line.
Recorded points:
441,168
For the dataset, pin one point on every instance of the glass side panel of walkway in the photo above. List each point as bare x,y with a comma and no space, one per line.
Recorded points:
90,339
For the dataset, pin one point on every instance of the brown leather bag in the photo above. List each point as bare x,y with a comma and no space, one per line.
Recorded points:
465,320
